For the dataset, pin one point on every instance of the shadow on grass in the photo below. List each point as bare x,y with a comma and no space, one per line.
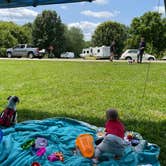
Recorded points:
154,132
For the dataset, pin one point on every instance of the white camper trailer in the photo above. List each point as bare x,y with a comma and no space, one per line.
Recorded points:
101,52
86,52
97,52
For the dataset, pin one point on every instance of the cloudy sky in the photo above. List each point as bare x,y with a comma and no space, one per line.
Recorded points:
87,15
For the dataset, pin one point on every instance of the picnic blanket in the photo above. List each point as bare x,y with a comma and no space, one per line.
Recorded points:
61,134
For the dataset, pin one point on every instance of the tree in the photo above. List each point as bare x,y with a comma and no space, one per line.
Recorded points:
12,34
49,31
108,31
74,40
27,28
152,27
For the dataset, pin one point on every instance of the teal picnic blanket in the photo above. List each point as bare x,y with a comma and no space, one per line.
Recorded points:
61,134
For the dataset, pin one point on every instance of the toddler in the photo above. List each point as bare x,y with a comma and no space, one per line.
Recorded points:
113,139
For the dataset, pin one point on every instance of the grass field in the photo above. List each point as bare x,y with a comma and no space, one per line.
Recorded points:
84,90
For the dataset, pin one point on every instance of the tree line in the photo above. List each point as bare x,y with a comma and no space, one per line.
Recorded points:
48,30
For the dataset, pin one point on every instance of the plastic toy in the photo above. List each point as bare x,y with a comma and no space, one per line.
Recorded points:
41,151
35,164
52,158
40,142
56,157
135,142
130,137
59,155
28,144
84,143
1,135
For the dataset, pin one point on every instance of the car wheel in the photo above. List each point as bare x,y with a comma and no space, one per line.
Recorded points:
30,55
128,58
151,59
9,54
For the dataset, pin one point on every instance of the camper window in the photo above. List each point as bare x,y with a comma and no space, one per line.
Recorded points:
98,50
87,52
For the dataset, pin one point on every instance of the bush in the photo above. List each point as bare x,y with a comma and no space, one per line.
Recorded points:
2,52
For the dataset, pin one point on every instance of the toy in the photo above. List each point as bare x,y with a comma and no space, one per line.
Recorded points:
130,136
135,142
56,157
35,164
28,144
84,143
41,151
1,135
100,132
9,116
52,157
40,142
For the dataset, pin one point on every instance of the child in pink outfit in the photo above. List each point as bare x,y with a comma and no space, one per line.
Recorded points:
113,140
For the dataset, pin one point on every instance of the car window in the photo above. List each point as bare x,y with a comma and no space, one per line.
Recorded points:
22,46
18,46
132,51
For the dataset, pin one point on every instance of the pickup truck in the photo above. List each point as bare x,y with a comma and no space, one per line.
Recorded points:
24,50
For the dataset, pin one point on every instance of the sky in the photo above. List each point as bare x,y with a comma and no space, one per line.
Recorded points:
85,15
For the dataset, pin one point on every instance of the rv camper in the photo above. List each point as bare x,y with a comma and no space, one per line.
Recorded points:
97,52
101,52
86,52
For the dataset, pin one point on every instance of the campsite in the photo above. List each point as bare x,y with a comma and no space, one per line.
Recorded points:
82,83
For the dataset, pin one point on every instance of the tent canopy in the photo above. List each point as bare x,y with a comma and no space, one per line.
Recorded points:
22,3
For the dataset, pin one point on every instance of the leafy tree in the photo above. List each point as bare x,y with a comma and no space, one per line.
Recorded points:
27,28
152,27
74,40
49,31
11,34
87,44
108,31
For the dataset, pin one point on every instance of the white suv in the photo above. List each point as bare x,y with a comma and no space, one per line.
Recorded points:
131,54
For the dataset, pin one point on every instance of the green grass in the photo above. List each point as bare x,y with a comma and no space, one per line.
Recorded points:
84,90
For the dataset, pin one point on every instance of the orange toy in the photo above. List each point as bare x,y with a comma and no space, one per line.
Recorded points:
84,143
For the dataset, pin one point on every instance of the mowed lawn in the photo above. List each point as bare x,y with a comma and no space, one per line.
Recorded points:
85,90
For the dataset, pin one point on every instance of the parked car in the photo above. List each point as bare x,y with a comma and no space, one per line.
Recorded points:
67,55
24,50
131,54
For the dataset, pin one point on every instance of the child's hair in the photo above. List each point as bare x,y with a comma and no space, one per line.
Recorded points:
112,114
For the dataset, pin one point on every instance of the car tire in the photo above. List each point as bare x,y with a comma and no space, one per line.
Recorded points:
9,55
30,55
150,59
128,58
